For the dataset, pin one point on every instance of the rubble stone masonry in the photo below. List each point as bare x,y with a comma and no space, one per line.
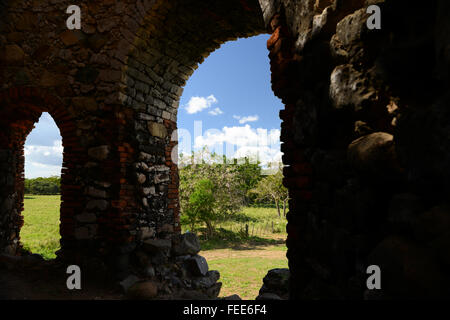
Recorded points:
365,132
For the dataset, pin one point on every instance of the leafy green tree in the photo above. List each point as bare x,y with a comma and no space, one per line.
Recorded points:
271,188
250,175
226,185
43,186
202,205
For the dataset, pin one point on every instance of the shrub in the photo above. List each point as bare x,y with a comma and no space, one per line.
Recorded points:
43,186
220,183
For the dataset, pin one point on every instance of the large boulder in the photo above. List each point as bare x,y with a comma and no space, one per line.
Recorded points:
186,244
277,279
207,281
276,285
197,265
157,246
374,155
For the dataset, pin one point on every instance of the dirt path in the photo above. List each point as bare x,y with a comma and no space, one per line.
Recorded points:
274,252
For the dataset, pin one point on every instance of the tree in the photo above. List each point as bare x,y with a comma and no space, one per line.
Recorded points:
43,186
202,205
271,188
225,184
250,175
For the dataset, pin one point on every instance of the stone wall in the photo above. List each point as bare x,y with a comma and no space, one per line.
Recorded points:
113,88
364,132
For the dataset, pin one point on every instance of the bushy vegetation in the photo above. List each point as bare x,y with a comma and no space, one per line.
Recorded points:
271,188
43,186
214,190
209,193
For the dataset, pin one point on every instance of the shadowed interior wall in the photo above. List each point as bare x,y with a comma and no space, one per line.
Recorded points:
364,134
365,140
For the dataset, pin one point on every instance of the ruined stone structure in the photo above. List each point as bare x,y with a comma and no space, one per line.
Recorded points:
365,132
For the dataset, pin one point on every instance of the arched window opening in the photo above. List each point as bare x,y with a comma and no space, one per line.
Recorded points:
230,165
43,160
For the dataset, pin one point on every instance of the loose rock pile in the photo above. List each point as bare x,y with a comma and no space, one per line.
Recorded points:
170,269
276,285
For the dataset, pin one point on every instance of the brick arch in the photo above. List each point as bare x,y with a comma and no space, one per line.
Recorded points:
160,49
126,69
20,109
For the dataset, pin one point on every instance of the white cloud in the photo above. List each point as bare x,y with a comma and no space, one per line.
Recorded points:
43,161
36,170
243,120
55,150
44,133
215,112
197,104
243,141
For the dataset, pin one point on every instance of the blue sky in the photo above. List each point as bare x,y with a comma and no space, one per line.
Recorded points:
229,96
230,93
43,149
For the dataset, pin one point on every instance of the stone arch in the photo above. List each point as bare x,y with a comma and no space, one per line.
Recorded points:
20,109
320,52
160,49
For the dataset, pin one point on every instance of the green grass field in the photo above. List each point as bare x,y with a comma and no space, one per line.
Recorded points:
243,276
40,232
242,259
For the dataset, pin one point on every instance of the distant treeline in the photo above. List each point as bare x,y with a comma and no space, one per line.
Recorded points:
38,186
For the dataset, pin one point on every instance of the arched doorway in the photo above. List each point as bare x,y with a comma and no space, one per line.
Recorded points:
20,109
132,115
228,109
160,53
42,200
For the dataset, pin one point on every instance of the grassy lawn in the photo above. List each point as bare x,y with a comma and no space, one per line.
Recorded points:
243,268
242,259
40,232
243,276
